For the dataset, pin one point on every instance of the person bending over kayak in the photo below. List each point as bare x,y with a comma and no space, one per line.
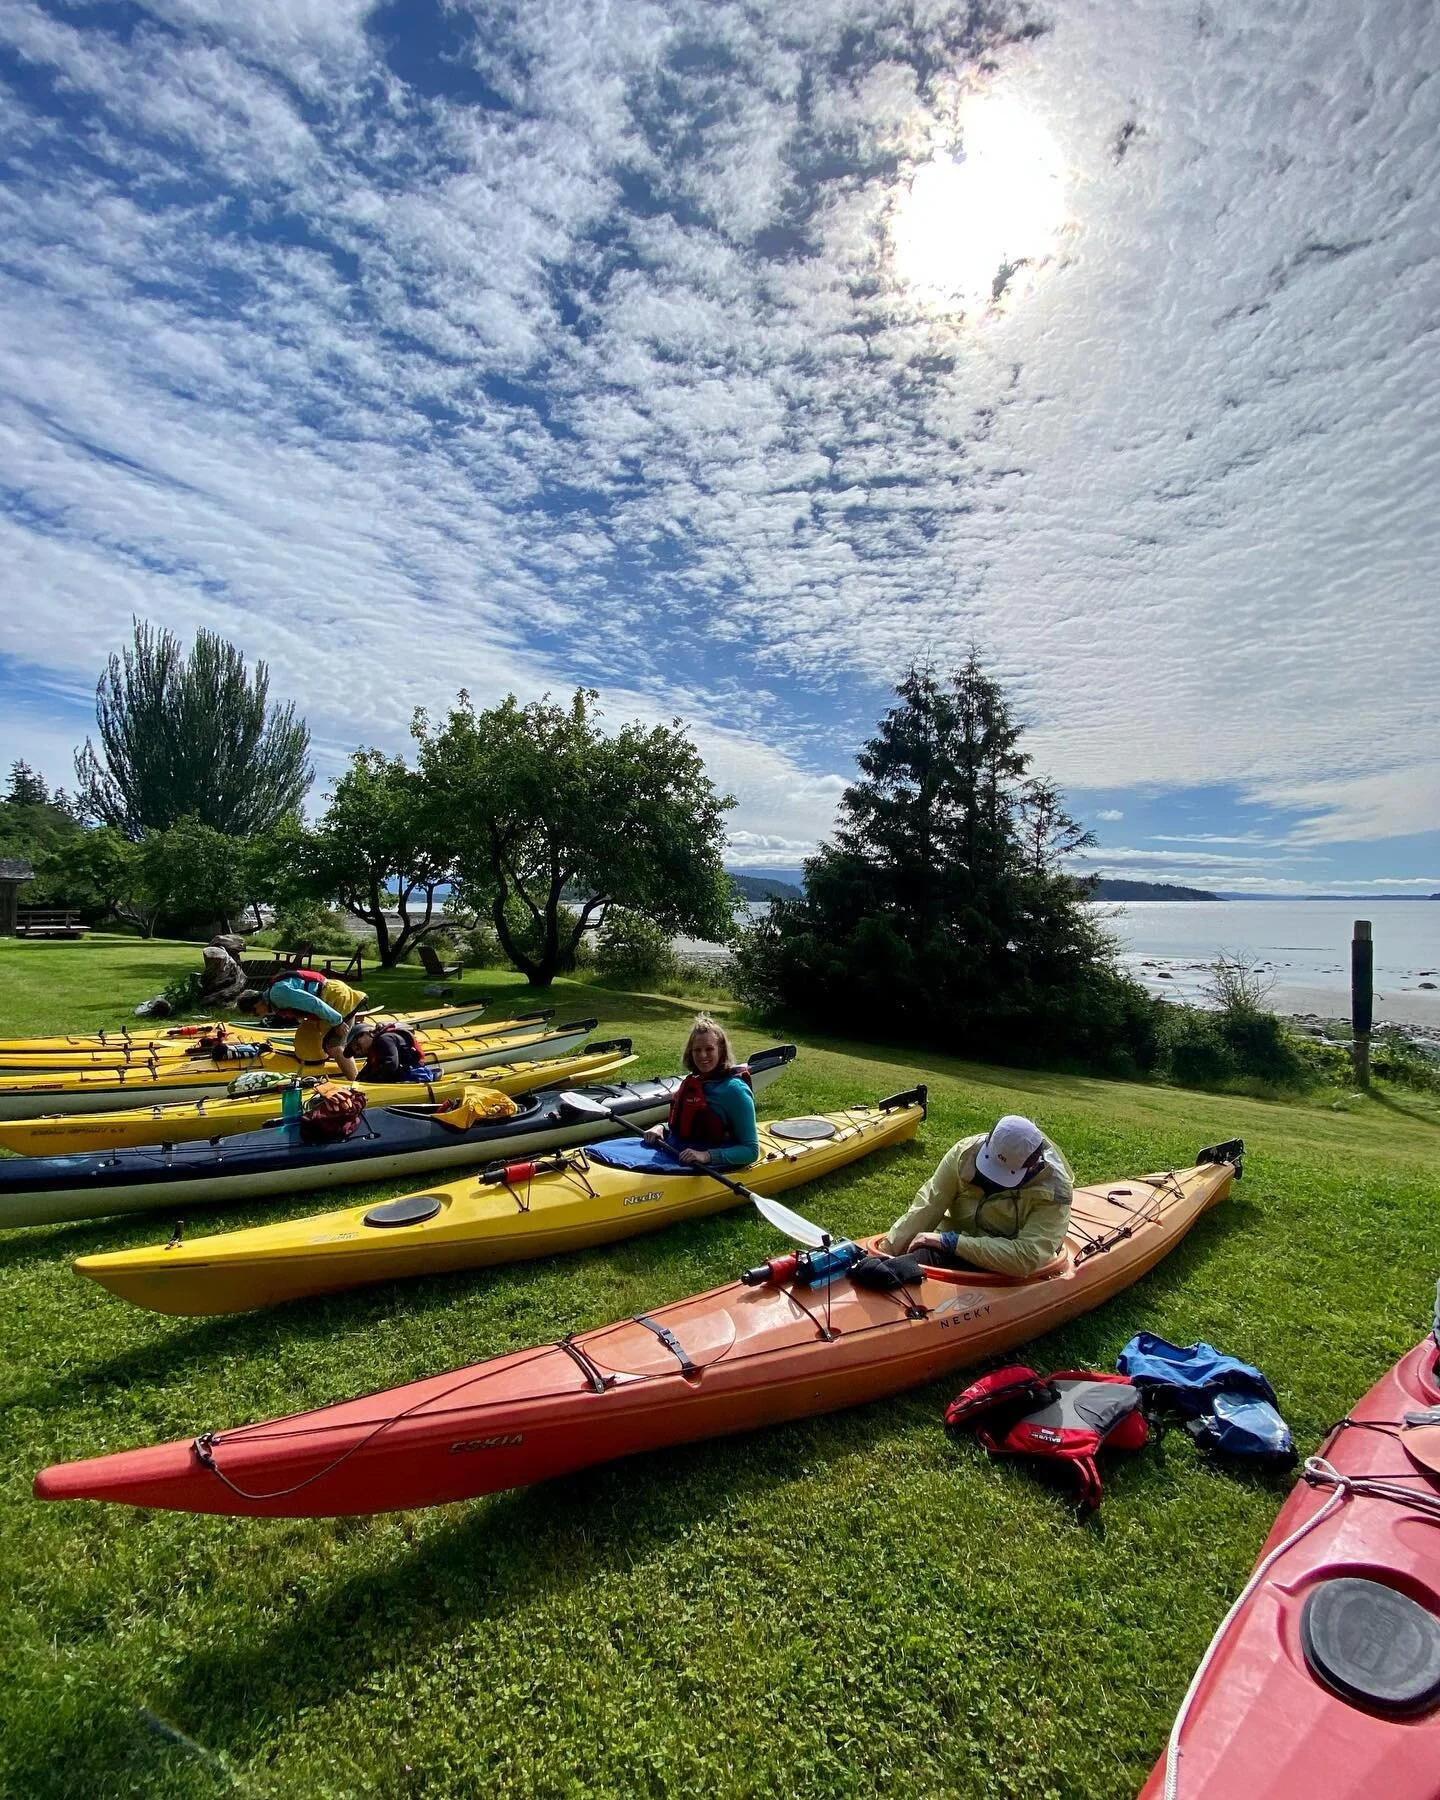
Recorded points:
712,1116
321,1005
1003,1197
384,1052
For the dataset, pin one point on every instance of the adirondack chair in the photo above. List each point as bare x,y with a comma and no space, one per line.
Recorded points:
432,965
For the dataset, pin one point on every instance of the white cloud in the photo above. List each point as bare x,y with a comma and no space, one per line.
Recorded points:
609,381
1387,804
1109,814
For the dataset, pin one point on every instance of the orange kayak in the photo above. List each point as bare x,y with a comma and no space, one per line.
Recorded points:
730,1360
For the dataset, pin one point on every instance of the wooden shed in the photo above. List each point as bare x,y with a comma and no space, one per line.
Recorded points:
12,873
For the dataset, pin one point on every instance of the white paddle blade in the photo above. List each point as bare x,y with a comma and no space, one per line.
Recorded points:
802,1230
584,1106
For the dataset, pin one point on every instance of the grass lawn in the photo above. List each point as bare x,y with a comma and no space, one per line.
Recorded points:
844,1606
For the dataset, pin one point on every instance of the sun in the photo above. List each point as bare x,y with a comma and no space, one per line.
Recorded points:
980,221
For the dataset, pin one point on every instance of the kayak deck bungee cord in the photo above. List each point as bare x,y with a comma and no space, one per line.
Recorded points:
730,1360
509,1212
407,1139
209,1119
102,1090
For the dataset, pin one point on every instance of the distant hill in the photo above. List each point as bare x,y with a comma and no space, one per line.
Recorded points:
765,887
1149,890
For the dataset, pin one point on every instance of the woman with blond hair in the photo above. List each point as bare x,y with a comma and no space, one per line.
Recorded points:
712,1116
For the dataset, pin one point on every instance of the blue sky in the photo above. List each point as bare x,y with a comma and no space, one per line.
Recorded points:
727,358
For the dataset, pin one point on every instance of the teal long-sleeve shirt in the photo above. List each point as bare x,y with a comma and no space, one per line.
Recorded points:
733,1100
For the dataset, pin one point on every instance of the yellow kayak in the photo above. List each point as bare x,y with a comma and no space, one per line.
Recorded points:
168,1051
476,1221
192,1121
435,1018
29,1096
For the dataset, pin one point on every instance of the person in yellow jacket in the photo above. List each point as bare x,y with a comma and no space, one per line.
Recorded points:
321,1005
1001,1199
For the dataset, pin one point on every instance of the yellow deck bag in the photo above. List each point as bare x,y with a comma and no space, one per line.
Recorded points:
475,1106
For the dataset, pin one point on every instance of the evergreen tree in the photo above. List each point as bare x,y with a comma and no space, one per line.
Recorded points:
26,787
190,737
943,909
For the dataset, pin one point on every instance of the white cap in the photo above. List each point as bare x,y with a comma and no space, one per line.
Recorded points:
1004,1154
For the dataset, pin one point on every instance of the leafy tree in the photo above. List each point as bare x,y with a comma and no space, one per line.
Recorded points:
535,803
193,874
34,825
192,737
942,910
188,875
97,870
376,850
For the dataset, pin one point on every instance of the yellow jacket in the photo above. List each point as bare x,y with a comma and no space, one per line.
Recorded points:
1014,1231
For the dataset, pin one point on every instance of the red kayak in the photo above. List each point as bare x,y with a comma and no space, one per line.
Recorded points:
757,1352
1323,1683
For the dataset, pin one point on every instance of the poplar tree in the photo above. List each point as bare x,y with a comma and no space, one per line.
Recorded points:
190,737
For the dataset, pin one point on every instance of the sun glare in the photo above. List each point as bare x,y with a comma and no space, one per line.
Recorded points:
982,220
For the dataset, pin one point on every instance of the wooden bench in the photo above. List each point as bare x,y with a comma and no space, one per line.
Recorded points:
48,921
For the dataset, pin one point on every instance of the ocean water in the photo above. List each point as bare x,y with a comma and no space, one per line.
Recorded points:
1302,946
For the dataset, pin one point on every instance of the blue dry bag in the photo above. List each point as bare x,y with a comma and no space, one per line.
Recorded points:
1246,1428
1228,1405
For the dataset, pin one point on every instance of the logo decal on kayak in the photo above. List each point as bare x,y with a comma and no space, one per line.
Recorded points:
962,1309
640,1199
490,1443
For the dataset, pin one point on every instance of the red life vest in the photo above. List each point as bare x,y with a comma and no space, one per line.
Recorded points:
1069,1417
693,1121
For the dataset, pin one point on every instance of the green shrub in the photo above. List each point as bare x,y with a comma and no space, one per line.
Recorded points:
1215,1047
308,925
183,993
1394,1058
1323,1062
708,980
482,946
1192,1050
1263,1046
633,952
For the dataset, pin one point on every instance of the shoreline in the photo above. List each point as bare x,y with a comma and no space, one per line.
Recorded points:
1404,1004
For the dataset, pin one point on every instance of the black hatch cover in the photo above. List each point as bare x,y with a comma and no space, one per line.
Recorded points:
411,1209
1374,1646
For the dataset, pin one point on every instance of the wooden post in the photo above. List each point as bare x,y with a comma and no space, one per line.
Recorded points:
1362,999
